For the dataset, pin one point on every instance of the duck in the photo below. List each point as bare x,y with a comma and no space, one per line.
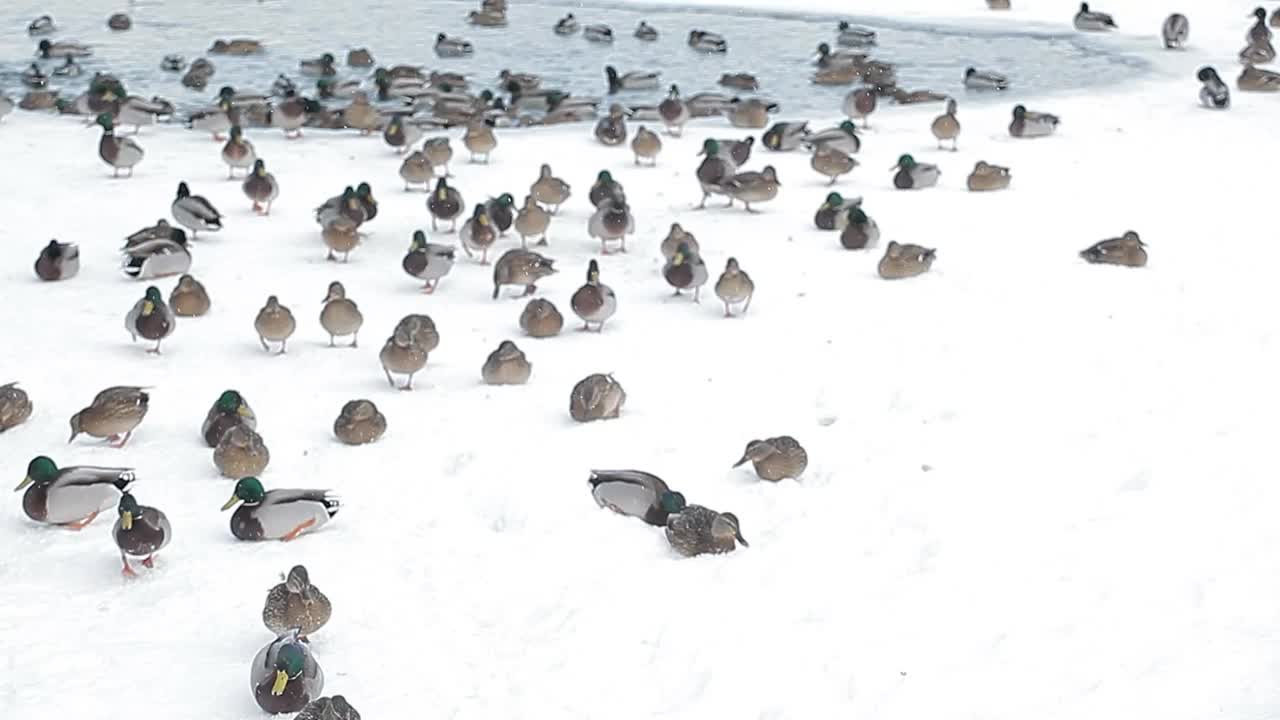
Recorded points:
912,175
677,236
596,397
776,458
479,139
72,496
753,187
321,66
612,129
860,231
1127,250
278,514
49,50
359,57
1275,18
1253,79
697,530
860,104
359,423
911,97
120,153
707,42
521,267
527,82
998,4
594,303
843,137
946,126
833,213
151,319
506,366
42,25
487,19
686,270
832,163
68,68
296,604
401,135
438,153
674,112
501,211
540,319
340,316
478,233
160,257
292,113
852,35
345,209
173,63
274,323
58,261
15,406
987,177
825,57
285,676
114,414
566,25
1175,30
140,531
325,708
34,78
636,494
327,88
734,287
740,81
709,104
1090,21
445,203
428,262
1259,33
238,153
1257,53
261,187
41,100
447,47
646,144
646,32
532,221
975,79
189,298
236,46
612,221
403,354
194,212
904,260
549,190
240,453
752,113
785,136
1027,124
837,75
714,171
598,33
218,119
228,411
606,188
635,80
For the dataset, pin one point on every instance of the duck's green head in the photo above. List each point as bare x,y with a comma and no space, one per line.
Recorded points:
906,162
327,58
226,92
856,216
381,74
710,147
128,509
289,662
682,254
104,120
604,177
40,470
672,502
835,200
849,127
505,200
824,49
236,133
150,300
364,192
419,240
248,490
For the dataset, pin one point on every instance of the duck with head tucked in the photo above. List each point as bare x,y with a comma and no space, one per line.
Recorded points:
241,453
697,530
278,514
1028,124
904,260
987,177
1214,93
58,261
596,397
113,415
72,496
296,604
506,366
540,319
1127,250
360,422
776,458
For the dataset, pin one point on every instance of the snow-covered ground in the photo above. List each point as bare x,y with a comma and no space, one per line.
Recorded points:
1036,487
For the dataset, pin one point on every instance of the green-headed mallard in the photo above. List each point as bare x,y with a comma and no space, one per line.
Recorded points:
752,187
228,411
686,270
853,35
833,213
452,47
261,188
786,136
904,260
707,42
15,406
596,397
1027,124
674,112
194,212
1214,93
1254,80
506,366
58,261
540,319
776,458
637,494
843,137
740,81
521,267
986,177
975,79
501,211
400,134
479,140
238,153
445,203
71,496
291,113
274,323
155,258
49,50
1092,21
612,222
525,81
734,287
594,302
140,531
713,172
566,25
912,175
359,422
427,261
549,190
860,231
597,33
296,604
318,67
340,316
119,153
606,188
635,80
241,453
478,233
114,414
1127,250
188,298
285,676
645,31
278,514
612,128
832,163
946,126
697,530
150,318
532,221
402,354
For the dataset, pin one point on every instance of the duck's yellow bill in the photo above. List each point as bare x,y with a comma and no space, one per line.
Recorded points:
126,521
282,679
231,503
243,411
25,482
148,307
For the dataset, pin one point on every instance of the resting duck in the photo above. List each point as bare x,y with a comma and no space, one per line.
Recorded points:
686,270
596,397
241,453
506,366
34,78
914,175
1254,80
447,47
752,187
745,82
860,231
228,411
646,32
636,494
321,66
566,25
1175,30
296,604
69,68
194,212
278,514
833,213
159,257
904,260
291,114
1127,250
285,676
707,42
598,33
1027,124
237,46
487,19
827,58
359,422
549,190
120,153
49,50
15,406
334,708
140,531
697,530
1090,21
594,303
635,80
189,298
521,267
843,137
540,318
734,287
832,163
904,97
72,496
776,458
851,35
42,25
975,79
151,319
986,177
58,261
428,262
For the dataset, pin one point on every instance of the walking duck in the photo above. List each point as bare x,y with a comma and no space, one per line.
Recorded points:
594,303
428,262
340,316
114,414
274,323
151,319
686,271
734,288
140,531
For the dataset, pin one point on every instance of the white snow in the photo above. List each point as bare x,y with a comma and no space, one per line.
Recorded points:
1037,488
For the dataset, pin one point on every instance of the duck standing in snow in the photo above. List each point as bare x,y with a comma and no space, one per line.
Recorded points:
238,153
697,530
274,323
479,139
987,177
776,458
1127,250
549,190
218,119
340,316
478,234
753,187
285,676
674,112
291,114
1175,30
151,319
612,221
157,258
402,354
713,172
606,189
445,203
540,319
416,170
786,136
72,496
278,514
15,406
194,212
594,303
904,260
532,221
501,211
596,397
120,153
428,262
140,531
58,261
843,137
228,411
261,188
359,422
240,453
1027,124
946,126
831,163
860,231
860,104
1259,33
686,270
636,494
521,267
1214,93
612,128
296,604
734,288
646,144
401,135
114,414
506,366
189,298
1252,79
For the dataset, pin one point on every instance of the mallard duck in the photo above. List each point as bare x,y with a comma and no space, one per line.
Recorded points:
157,258
173,63
786,136
238,153
218,119
340,316
860,104
594,302
697,530
1091,21
904,97
753,187
1253,79
296,605
341,234
487,19
72,496
776,458
740,81
359,422
635,493
525,81
151,319
736,152
328,89
1257,53
428,262
837,75
532,221
646,144
975,79
285,676
833,213
49,50
501,211
946,126
904,260
58,261
34,78
566,25
860,232
686,270
852,35
986,177
713,172
596,397
241,453
439,152
674,112
1213,92
752,113
261,188
140,531
113,415
236,46
188,298
677,236
321,66
636,80
828,58
194,212
708,104
707,42
843,137
278,514
540,318
40,100
401,135
521,267
597,33
15,405
274,323
550,190
734,287
506,366
832,163
228,411
447,47
402,354
120,153
291,114
1127,250
645,31
1175,30
479,139
912,175
1259,33
478,233
334,708
416,170
605,189
359,57
445,203
612,222
69,68
42,25
612,128
1027,124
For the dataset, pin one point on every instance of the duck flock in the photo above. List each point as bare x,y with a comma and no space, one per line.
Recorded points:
416,111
